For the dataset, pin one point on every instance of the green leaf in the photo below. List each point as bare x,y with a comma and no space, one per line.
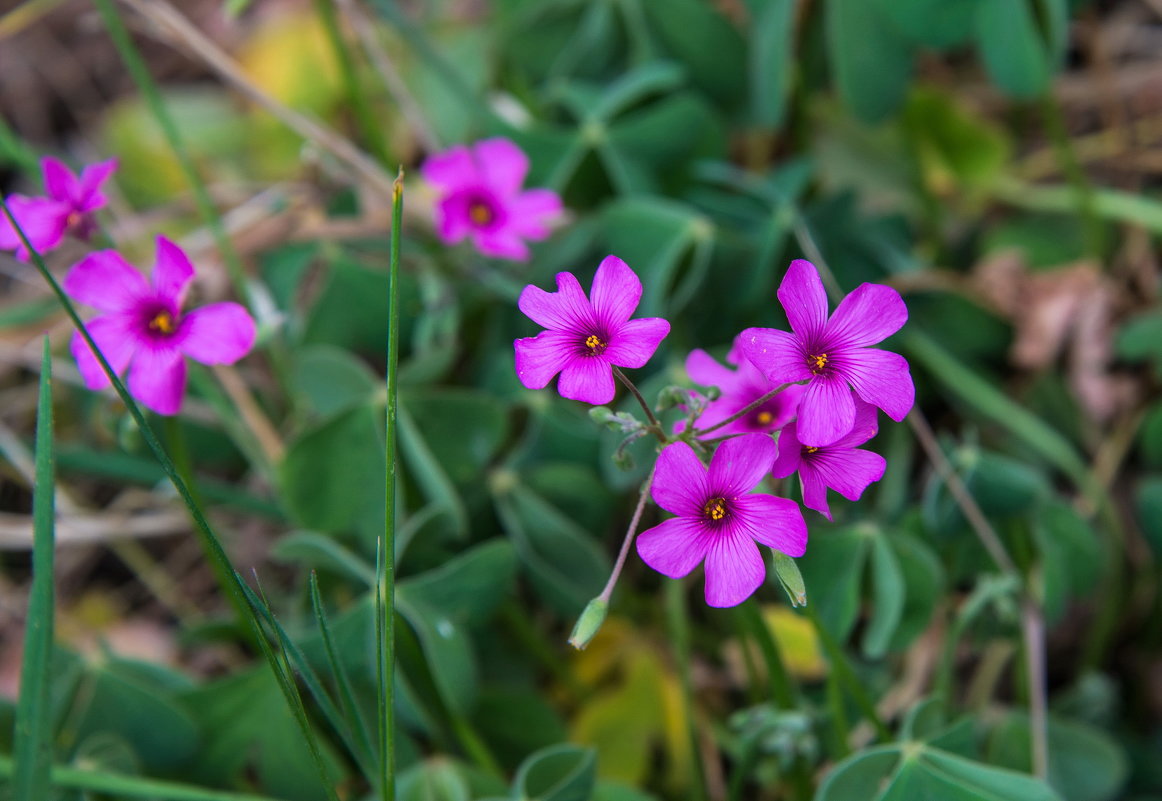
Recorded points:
924,578
313,550
771,61
1150,438
791,578
870,61
1085,764
429,472
1014,53
433,780
33,729
1140,338
832,568
470,585
1148,505
888,593
1071,557
558,773
938,24
515,721
851,778
446,648
462,428
332,475
700,35
351,310
331,380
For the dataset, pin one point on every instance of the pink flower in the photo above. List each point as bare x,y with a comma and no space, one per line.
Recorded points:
143,324
832,354
841,466
68,208
586,338
740,388
481,198
718,520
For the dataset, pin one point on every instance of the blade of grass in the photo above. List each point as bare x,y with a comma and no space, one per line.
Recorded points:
131,56
678,624
369,129
115,784
33,750
355,720
385,554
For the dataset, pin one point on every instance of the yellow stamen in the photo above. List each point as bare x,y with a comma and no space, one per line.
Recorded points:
480,213
162,323
817,363
715,508
764,418
73,220
595,344
810,449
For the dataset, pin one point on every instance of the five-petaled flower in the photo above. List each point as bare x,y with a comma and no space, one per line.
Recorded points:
68,208
586,337
481,198
143,324
718,519
832,354
738,389
841,465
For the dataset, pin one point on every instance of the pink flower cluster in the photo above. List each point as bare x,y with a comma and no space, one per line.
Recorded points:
816,387
142,328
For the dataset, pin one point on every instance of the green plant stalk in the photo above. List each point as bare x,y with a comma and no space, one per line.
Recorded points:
131,56
1082,188
114,784
847,678
17,151
841,731
369,129
385,602
679,627
33,749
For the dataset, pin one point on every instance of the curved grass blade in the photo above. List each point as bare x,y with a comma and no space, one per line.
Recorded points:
33,751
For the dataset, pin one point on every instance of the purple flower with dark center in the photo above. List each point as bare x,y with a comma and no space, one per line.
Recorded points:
143,328
718,519
738,389
481,198
841,465
832,354
586,337
68,208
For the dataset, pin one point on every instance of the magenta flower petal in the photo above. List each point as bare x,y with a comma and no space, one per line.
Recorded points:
90,197
679,481
863,428
221,333
804,299
674,547
814,492
112,337
105,281
172,272
531,212
503,162
740,463
871,313
778,354
588,380
561,310
42,220
616,291
158,379
502,244
705,370
827,411
788,459
734,570
637,342
59,181
451,169
775,522
540,358
882,378
848,471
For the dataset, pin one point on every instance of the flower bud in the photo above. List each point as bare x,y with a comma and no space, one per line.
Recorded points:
589,622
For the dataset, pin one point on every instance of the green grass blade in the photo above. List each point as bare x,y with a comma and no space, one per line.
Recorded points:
131,56
33,750
385,555
119,786
355,721
370,129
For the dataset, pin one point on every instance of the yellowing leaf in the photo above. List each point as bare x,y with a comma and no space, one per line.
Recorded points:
797,641
290,59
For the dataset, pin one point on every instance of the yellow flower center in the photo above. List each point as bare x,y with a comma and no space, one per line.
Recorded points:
817,363
715,508
764,418
595,344
162,323
810,449
480,213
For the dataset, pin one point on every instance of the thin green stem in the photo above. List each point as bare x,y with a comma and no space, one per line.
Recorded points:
743,412
655,427
680,637
387,576
841,731
131,56
607,592
369,128
846,675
